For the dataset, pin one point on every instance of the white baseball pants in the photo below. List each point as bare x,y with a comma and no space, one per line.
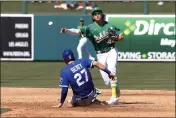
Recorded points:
82,47
109,60
82,44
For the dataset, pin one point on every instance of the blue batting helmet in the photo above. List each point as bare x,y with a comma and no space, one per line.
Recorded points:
67,55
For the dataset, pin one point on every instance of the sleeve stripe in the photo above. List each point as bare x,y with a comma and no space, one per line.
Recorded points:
63,85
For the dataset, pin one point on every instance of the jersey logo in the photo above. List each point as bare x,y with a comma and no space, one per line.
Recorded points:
61,80
102,35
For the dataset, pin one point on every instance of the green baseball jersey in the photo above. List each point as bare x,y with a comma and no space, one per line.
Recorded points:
83,30
99,36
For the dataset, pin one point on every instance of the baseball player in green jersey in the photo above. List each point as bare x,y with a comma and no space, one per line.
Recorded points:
81,30
103,36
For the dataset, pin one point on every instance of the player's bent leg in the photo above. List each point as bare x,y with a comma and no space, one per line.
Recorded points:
83,46
105,78
79,50
87,100
88,53
115,93
73,101
98,91
102,59
111,63
80,46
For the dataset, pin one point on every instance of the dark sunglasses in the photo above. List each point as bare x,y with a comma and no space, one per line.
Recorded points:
98,12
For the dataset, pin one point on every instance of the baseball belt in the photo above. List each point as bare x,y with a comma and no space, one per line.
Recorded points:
104,51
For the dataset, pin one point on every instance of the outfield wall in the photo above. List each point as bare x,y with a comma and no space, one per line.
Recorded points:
146,37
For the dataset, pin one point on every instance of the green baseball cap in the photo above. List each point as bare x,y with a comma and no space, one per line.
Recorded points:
81,19
96,10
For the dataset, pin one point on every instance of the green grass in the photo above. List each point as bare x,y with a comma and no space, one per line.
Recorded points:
108,7
3,110
131,75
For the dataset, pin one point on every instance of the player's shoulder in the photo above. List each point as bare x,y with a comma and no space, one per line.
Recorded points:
64,70
85,26
113,26
80,60
91,25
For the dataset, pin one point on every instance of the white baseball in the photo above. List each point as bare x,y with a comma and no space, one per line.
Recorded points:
50,23
160,3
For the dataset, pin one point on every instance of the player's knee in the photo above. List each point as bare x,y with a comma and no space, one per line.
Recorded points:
83,40
73,103
107,83
79,48
113,70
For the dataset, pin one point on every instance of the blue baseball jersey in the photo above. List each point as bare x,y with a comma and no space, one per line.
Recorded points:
78,76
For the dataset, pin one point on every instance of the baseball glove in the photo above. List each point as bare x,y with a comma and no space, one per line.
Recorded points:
112,32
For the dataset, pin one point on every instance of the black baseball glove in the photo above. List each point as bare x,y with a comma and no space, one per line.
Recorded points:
112,32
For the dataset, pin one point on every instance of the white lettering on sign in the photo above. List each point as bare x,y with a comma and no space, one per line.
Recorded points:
21,35
161,55
148,55
152,28
21,26
17,53
18,44
167,42
129,55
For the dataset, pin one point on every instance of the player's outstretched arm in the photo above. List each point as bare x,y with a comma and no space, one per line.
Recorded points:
102,67
71,31
63,97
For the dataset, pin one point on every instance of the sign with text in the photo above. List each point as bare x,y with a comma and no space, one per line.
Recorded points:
17,37
146,37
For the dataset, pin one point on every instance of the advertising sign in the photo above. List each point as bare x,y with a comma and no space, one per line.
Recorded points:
17,37
146,37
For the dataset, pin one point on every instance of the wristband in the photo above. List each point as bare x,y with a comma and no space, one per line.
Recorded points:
107,71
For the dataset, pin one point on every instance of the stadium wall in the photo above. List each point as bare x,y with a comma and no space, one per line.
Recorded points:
146,37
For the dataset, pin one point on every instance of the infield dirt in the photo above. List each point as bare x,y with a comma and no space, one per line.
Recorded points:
38,102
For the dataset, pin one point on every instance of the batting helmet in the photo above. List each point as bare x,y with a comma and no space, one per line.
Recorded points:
68,55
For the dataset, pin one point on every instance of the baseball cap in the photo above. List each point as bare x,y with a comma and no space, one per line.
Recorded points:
81,19
67,55
96,10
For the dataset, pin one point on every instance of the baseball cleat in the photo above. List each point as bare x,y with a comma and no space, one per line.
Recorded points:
98,91
113,101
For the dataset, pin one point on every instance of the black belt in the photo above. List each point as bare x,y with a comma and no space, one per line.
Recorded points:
104,51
